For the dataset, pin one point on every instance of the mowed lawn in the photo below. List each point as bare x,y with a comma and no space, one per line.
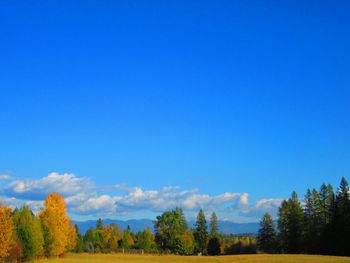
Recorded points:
168,259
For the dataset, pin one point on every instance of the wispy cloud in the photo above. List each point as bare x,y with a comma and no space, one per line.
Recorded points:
4,177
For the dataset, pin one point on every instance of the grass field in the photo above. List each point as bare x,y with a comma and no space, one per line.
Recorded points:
221,259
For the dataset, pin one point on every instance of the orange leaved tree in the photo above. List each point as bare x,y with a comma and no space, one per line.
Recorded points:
56,225
6,230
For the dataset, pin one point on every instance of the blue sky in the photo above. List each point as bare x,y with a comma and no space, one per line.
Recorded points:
219,96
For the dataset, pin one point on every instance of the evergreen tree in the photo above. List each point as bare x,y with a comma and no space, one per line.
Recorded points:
327,198
341,220
201,233
290,225
80,240
90,240
98,240
99,224
267,237
213,246
313,227
213,225
327,203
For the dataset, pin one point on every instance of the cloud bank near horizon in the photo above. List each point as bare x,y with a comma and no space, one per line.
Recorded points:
84,198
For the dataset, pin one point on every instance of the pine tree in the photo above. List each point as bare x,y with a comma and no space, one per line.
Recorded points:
80,240
341,220
201,233
98,240
267,237
290,225
327,198
214,228
313,227
214,246
99,224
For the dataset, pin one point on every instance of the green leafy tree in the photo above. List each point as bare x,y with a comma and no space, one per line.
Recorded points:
28,233
169,229
187,243
267,237
145,239
127,239
111,235
90,238
201,233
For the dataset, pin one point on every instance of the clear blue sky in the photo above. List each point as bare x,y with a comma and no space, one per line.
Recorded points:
223,96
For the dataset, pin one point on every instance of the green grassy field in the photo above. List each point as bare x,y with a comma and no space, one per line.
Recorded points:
237,258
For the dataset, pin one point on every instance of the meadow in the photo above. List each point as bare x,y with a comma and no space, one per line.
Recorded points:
106,258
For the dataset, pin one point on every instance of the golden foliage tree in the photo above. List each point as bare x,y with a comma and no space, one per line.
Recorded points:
56,226
72,238
111,234
6,231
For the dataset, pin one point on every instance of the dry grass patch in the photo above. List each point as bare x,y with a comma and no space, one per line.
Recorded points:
109,258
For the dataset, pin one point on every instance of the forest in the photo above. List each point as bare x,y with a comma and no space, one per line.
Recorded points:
319,223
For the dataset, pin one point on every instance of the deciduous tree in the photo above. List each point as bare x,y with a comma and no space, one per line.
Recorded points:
56,225
28,233
6,231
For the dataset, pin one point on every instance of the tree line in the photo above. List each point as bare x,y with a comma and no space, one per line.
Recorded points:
172,235
25,236
320,224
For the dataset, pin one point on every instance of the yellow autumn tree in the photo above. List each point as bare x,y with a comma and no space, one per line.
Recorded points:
6,230
56,226
111,234
72,238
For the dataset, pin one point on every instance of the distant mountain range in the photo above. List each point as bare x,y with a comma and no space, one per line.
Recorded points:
226,227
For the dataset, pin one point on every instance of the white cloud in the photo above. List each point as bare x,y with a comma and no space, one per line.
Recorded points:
266,205
66,184
4,177
13,202
83,198
103,204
